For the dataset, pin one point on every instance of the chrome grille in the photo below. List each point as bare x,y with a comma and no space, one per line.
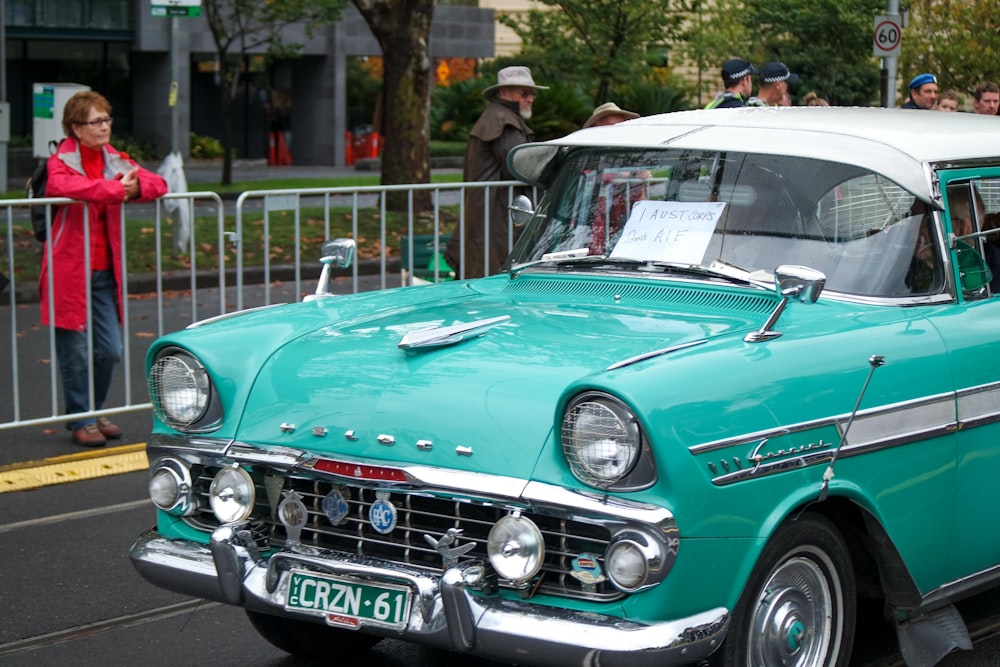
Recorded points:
418,514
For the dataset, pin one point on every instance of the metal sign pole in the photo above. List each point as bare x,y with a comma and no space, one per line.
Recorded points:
4,107
892,9
174,77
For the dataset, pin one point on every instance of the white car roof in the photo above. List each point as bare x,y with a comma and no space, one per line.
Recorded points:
899,144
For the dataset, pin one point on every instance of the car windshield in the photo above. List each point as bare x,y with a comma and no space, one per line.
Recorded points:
694,212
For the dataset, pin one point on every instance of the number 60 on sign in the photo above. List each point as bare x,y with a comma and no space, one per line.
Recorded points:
887,36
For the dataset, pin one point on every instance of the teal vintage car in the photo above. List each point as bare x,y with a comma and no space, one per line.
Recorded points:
736,375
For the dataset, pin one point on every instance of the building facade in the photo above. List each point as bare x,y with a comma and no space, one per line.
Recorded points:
121,49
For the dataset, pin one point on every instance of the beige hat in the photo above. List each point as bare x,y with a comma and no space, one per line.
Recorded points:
608,109
516,75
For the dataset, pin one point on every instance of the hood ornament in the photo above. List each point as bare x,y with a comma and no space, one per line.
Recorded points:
443,546
442,336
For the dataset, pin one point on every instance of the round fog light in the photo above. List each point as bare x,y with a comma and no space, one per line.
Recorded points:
626,565
232,495
163,488
170,487
516,548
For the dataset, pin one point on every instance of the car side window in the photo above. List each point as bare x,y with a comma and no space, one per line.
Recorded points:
974,208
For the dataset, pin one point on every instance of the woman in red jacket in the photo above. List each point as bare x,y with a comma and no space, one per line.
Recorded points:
86,245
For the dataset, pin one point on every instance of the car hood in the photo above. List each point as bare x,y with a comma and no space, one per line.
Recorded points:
484,403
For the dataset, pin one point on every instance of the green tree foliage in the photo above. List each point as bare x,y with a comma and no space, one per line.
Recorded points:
240,27
599,44
714,32
826,42
953,40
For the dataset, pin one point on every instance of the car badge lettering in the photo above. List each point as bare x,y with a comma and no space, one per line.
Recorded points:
586,569
756,458
335,507
382,515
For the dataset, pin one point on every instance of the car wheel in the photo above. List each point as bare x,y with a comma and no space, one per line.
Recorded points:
312,641
798,609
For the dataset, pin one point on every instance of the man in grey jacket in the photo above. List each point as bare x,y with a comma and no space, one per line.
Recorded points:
500,128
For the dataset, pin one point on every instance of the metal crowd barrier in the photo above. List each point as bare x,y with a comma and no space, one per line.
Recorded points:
157,301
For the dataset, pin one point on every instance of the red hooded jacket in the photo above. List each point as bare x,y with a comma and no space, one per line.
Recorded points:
104,199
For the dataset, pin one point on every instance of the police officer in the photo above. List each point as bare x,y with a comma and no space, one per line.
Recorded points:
738,81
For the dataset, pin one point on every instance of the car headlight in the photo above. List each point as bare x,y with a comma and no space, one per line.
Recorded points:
601,439
516,548
170,487
232,494
181,392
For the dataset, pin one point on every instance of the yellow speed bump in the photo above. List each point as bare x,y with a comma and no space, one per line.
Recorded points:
73,467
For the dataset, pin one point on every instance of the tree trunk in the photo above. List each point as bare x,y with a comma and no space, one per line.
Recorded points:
226,113
402,28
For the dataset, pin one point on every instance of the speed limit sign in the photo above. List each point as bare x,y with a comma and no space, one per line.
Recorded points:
887,36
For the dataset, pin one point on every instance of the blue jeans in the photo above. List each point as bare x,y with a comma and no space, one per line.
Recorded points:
71,349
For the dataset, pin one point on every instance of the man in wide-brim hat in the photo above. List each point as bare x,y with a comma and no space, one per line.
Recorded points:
500,127
609,113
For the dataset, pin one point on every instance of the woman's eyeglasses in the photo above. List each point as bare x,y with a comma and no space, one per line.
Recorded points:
99,122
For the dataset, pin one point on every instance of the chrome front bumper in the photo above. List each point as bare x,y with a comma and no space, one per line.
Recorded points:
446,613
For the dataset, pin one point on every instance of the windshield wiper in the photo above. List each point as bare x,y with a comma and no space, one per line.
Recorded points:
724,270
717,269
577,256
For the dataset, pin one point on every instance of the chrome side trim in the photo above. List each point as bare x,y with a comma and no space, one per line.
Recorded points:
874,429
654,353
979,405
873,414
956,590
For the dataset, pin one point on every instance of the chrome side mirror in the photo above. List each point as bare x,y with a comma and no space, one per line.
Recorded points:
790,282
799,282
521,210
336,254
339,253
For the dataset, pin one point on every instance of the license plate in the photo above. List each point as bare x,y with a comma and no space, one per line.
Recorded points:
348,602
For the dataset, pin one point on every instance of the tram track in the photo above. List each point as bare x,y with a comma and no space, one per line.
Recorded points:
99,627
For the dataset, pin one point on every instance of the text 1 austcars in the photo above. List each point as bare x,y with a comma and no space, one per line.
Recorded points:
733,377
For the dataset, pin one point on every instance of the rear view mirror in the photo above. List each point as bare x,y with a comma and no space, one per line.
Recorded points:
336,254
521,210
339,253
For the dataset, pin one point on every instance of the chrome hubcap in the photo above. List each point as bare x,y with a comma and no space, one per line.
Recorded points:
793,619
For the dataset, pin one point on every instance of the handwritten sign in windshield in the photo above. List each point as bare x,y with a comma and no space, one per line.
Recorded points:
668,231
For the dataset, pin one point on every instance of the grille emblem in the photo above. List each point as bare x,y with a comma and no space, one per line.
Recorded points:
382,515
586,569
335,506
293,515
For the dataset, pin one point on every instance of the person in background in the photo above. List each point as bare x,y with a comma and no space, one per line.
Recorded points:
811,99
948,101
923,92
786,100
774,81
86,249
986,98
499,128
609,114
625,188
738,82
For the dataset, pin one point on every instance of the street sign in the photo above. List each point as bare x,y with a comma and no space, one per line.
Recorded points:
887,36
176,7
